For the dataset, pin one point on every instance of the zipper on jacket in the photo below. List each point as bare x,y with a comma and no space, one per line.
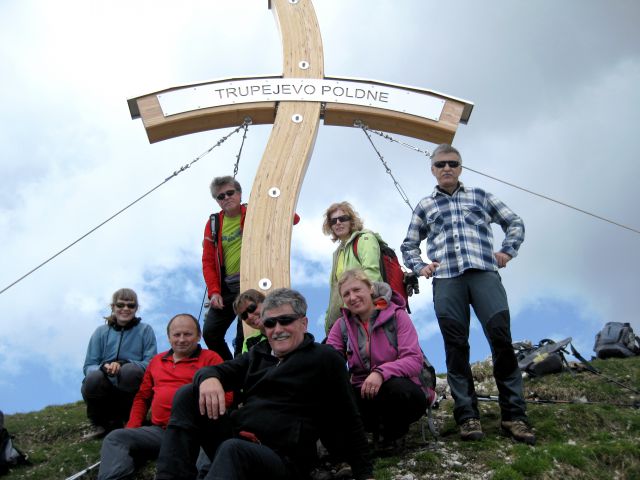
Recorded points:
119,344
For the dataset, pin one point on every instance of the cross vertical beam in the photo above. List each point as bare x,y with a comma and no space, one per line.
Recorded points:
266,243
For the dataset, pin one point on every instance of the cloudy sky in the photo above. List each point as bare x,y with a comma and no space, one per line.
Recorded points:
555,88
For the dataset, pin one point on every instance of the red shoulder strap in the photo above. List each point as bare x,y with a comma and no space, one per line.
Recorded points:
354,246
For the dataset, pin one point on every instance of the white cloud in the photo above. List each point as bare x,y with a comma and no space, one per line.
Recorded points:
556,106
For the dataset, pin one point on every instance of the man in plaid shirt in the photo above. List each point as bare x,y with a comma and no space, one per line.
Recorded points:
456,222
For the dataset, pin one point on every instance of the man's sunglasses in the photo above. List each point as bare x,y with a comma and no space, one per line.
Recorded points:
451,163
130,306
228,193
283,320
248,311
341,218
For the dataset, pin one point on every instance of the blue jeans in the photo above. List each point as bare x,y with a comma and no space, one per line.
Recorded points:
452,298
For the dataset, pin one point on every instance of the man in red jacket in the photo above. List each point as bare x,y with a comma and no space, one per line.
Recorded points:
166,372
221,264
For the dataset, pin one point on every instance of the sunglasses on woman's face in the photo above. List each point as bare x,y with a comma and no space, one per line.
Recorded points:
130,306
248,311
283,320
341,219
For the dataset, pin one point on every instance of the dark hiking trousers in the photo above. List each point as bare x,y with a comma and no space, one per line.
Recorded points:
398,404
452,298
215,327
109,399
124,448
232,458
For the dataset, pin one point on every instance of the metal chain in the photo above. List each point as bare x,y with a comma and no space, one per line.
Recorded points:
208,151
245,125
401,191
391,139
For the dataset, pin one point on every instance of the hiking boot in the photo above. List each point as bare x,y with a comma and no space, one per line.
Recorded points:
470,429
320,474
519,431
387,448
95,432
343,471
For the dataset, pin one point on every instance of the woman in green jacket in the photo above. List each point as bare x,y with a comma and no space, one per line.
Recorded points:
345,226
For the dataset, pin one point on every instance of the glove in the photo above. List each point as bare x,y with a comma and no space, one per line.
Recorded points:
411,283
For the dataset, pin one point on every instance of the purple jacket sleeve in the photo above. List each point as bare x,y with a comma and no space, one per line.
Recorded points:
409,361
335,339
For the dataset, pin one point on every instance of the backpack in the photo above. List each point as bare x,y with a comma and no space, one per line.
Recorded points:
10,456
543,359
215,227
616,339
404,284
427,375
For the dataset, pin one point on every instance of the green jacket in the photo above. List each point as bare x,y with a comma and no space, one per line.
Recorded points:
369,255
252,339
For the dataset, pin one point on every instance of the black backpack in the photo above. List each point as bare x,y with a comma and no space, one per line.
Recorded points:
542,359
10,456
616,339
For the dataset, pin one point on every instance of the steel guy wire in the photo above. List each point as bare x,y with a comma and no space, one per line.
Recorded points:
174,174
245,125
416,149
401,191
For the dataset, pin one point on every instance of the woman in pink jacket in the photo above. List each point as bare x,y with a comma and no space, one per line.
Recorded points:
384,357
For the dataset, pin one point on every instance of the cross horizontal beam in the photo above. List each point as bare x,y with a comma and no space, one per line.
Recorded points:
294,103
409,111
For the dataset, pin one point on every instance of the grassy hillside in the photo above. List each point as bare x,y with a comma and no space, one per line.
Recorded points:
576,440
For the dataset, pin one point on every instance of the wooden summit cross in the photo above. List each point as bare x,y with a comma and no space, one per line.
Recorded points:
294,103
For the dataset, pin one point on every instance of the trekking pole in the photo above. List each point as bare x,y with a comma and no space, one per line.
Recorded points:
612,380
82,472
542,401
595,371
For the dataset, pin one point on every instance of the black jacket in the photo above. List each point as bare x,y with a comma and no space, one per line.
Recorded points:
290,403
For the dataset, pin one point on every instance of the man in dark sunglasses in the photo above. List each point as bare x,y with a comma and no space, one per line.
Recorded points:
456,222
295,391
221,264
221,249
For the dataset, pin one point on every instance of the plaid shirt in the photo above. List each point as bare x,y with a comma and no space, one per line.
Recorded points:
458,231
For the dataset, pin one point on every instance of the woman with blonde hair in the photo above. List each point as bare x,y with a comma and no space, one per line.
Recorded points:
384,373
117,356
357,248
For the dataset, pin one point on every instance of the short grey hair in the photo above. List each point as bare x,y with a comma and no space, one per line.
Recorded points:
445,148
218,182
285,296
